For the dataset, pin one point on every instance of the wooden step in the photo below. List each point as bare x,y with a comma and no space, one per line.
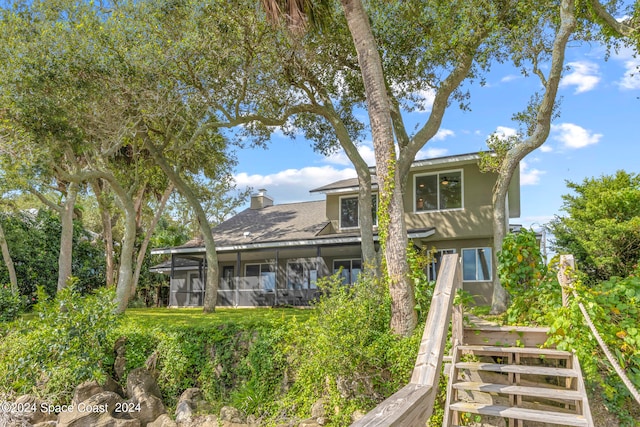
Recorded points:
548,417
528,351
505,336
518,369
541,392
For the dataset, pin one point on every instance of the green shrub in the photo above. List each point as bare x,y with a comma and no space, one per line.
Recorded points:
614,308
11,304
346,353
66,344
520,265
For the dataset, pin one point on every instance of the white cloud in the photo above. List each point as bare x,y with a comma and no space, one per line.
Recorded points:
293,185
510,78
574,136
340,157
442,134
584,75
427,97
546,148
431,152
631,77
504,132
529,176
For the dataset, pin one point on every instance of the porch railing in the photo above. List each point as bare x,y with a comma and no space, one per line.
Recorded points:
412,405
253,291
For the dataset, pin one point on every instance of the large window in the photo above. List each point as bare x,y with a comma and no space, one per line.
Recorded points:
302,275
438,191
434,267
349,269
476,265
266,274
349,211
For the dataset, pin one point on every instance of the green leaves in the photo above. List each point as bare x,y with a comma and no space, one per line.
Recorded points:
602,225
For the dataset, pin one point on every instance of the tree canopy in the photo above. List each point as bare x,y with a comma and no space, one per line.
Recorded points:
601,227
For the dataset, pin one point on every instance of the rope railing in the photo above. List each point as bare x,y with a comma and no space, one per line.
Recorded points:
567,264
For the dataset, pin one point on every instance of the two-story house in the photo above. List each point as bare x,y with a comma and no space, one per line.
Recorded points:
271,254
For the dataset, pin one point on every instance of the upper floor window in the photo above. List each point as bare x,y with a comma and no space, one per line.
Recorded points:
349,211
438,191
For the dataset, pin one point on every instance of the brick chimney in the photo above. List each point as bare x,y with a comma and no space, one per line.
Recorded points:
260,199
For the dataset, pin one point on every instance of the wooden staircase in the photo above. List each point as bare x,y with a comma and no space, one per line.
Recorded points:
501,377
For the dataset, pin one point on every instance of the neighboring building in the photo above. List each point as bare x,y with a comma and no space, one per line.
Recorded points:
273,254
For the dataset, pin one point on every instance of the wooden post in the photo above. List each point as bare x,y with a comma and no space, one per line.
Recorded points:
567,262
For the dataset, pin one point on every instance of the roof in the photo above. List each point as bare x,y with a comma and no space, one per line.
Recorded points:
286,225
349,184
290,221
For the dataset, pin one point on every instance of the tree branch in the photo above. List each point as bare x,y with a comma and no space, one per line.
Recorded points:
620,27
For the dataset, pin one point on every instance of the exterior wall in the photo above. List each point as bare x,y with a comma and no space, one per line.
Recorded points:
472,221
481,290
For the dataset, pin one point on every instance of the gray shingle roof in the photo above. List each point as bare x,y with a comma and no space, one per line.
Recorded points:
291,221
343,184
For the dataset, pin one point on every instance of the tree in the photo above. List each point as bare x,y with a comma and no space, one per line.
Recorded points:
411,47
602,225
509,151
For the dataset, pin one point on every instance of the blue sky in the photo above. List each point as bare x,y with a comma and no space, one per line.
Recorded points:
596,134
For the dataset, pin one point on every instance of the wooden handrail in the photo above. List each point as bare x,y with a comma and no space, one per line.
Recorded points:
412,405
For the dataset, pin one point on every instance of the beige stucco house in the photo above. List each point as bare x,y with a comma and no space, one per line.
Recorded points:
272,254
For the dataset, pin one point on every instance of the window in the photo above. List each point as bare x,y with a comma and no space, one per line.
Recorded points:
349,211
302,275
351,269
476,265
265,273
438,191
432,269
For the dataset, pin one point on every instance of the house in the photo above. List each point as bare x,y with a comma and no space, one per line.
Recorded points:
272,254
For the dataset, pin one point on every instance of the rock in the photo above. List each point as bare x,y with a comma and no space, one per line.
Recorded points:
96,411
142,378
112,385
203,421
318,409
309,422
85,390
184,411
143,390
37,416
120,362
229,413
356,415
191,401
163,420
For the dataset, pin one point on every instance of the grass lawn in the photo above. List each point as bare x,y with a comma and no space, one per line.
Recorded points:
153,317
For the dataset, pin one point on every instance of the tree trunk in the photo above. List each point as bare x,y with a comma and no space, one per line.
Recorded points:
125,274
538,137
65,256
107,232
211,287
143,247
392,228
500,297
6,256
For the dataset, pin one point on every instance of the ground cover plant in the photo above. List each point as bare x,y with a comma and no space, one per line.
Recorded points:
612,304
